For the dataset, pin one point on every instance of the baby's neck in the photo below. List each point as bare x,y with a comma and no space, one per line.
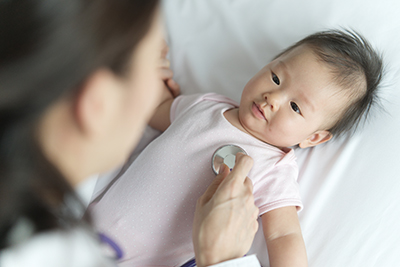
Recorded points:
232,116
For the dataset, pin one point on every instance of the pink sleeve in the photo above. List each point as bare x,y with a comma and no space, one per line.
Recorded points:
278,189
182,103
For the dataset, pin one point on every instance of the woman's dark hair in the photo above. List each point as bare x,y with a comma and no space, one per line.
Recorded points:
356,68
47,49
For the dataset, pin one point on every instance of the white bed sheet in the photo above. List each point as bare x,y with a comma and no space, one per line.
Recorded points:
350,186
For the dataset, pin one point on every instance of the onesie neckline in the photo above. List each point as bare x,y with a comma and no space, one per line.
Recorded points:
223,110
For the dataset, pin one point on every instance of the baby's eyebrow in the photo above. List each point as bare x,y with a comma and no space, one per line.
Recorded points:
308,103
285,69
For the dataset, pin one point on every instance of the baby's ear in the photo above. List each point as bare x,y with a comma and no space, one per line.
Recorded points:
316,138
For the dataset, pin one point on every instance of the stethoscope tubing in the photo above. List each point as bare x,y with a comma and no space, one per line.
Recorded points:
190,263
118,251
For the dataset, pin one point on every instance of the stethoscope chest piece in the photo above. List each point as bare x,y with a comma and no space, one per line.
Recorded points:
225,154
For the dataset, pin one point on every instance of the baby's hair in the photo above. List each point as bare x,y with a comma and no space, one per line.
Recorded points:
355,65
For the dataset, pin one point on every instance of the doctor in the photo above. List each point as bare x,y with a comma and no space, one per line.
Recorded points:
78,83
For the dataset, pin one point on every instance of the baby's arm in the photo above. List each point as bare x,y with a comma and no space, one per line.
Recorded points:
161,120
283,237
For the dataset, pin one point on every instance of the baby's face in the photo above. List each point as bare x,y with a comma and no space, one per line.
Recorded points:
290,99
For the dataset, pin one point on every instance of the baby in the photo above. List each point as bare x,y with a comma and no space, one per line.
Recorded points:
316,89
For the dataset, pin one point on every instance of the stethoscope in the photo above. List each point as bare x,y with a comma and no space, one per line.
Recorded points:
225,154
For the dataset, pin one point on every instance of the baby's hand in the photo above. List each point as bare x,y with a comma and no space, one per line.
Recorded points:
166,74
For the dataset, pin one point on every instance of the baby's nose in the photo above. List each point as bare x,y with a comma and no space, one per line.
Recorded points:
272,101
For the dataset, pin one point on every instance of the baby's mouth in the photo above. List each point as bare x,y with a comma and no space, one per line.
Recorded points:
258,111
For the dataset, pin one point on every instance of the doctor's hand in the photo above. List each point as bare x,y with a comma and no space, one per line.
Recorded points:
225,221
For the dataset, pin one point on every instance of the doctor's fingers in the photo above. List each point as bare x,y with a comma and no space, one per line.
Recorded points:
243,165
248,184
253,222
253,228
248,199
244,205
252,213
236,182
223,172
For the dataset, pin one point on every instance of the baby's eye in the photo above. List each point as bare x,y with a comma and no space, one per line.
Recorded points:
275,79
295,107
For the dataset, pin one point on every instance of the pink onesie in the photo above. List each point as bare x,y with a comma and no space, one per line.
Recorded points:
149,209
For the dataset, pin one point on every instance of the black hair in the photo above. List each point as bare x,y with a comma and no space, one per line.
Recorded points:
47,50
356,67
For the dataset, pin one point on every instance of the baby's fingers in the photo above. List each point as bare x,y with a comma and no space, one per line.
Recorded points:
164,63
164,50
165,74
173,87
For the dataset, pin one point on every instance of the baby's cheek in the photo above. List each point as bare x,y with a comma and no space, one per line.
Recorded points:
284,134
